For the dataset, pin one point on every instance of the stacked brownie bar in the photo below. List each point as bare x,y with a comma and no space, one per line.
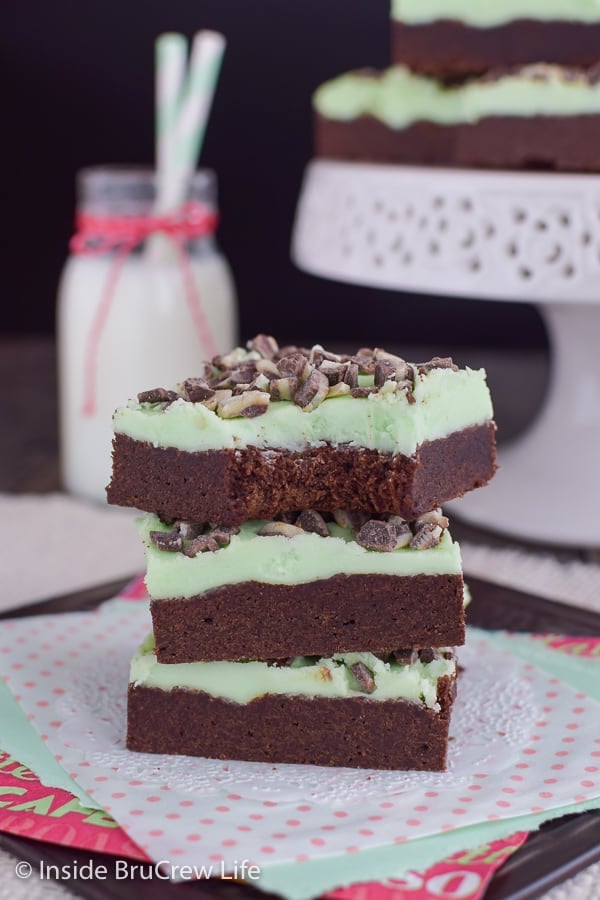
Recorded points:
497,84
306,594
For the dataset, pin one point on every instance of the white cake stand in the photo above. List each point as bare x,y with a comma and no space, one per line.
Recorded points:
524,237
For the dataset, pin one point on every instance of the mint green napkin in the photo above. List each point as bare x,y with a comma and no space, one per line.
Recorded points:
19,738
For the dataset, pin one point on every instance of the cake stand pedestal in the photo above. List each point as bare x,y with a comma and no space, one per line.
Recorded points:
522,237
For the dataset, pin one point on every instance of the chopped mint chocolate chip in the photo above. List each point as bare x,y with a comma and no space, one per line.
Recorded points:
333,371
376,535
385,370
403,533
434,517
157,395
231,359
283,388
313,521
363,391
268,368
167,540
312,393
249,405
264,344
275,529
365,360
351,375
364,676
188,530
406,657
350,518
428,535
222,534
200,544
295,365
222,538
243,374
226,529
438,362
196,390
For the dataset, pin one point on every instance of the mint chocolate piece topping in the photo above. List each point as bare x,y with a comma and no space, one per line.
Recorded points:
312,393
428,535
364,676
275,529
350,518
196,390
249,404
293,374
167,540
200,544
313,521
438,362
295,365
283,388
264,344
157,395
385,370
363,391
334,371
376,535
403,533
243,374
365,360
406,657
351,375
187,530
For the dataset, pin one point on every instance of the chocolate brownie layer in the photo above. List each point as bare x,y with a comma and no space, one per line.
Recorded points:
451,50
357,732
232,486
563,143
366,139
375,613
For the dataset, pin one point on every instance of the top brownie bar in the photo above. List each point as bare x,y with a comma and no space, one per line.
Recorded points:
457,38
266,430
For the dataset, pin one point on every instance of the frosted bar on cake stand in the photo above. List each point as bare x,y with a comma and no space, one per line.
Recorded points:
520,237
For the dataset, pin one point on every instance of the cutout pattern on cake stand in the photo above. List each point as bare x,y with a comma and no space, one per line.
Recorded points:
520,237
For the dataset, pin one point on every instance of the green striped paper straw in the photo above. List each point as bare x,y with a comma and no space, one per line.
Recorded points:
170,62
194,110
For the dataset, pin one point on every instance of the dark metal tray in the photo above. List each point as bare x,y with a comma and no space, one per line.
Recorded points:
556,852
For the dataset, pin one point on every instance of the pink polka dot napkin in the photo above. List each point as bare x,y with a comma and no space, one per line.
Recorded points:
522,742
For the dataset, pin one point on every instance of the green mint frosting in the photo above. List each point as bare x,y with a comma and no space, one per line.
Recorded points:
445,401
398,97
241,682
487,13
280,560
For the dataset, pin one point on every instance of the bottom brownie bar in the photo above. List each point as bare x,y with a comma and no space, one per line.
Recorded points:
350,710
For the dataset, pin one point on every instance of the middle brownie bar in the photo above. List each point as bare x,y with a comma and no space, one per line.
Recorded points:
272,590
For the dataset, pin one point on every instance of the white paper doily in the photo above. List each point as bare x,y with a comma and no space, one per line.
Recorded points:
488,719
522,742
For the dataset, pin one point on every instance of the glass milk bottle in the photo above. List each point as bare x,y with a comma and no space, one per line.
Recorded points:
142,301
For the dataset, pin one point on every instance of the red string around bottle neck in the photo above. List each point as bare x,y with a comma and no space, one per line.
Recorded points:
96,235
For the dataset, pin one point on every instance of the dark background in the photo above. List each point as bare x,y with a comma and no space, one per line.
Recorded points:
78,90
